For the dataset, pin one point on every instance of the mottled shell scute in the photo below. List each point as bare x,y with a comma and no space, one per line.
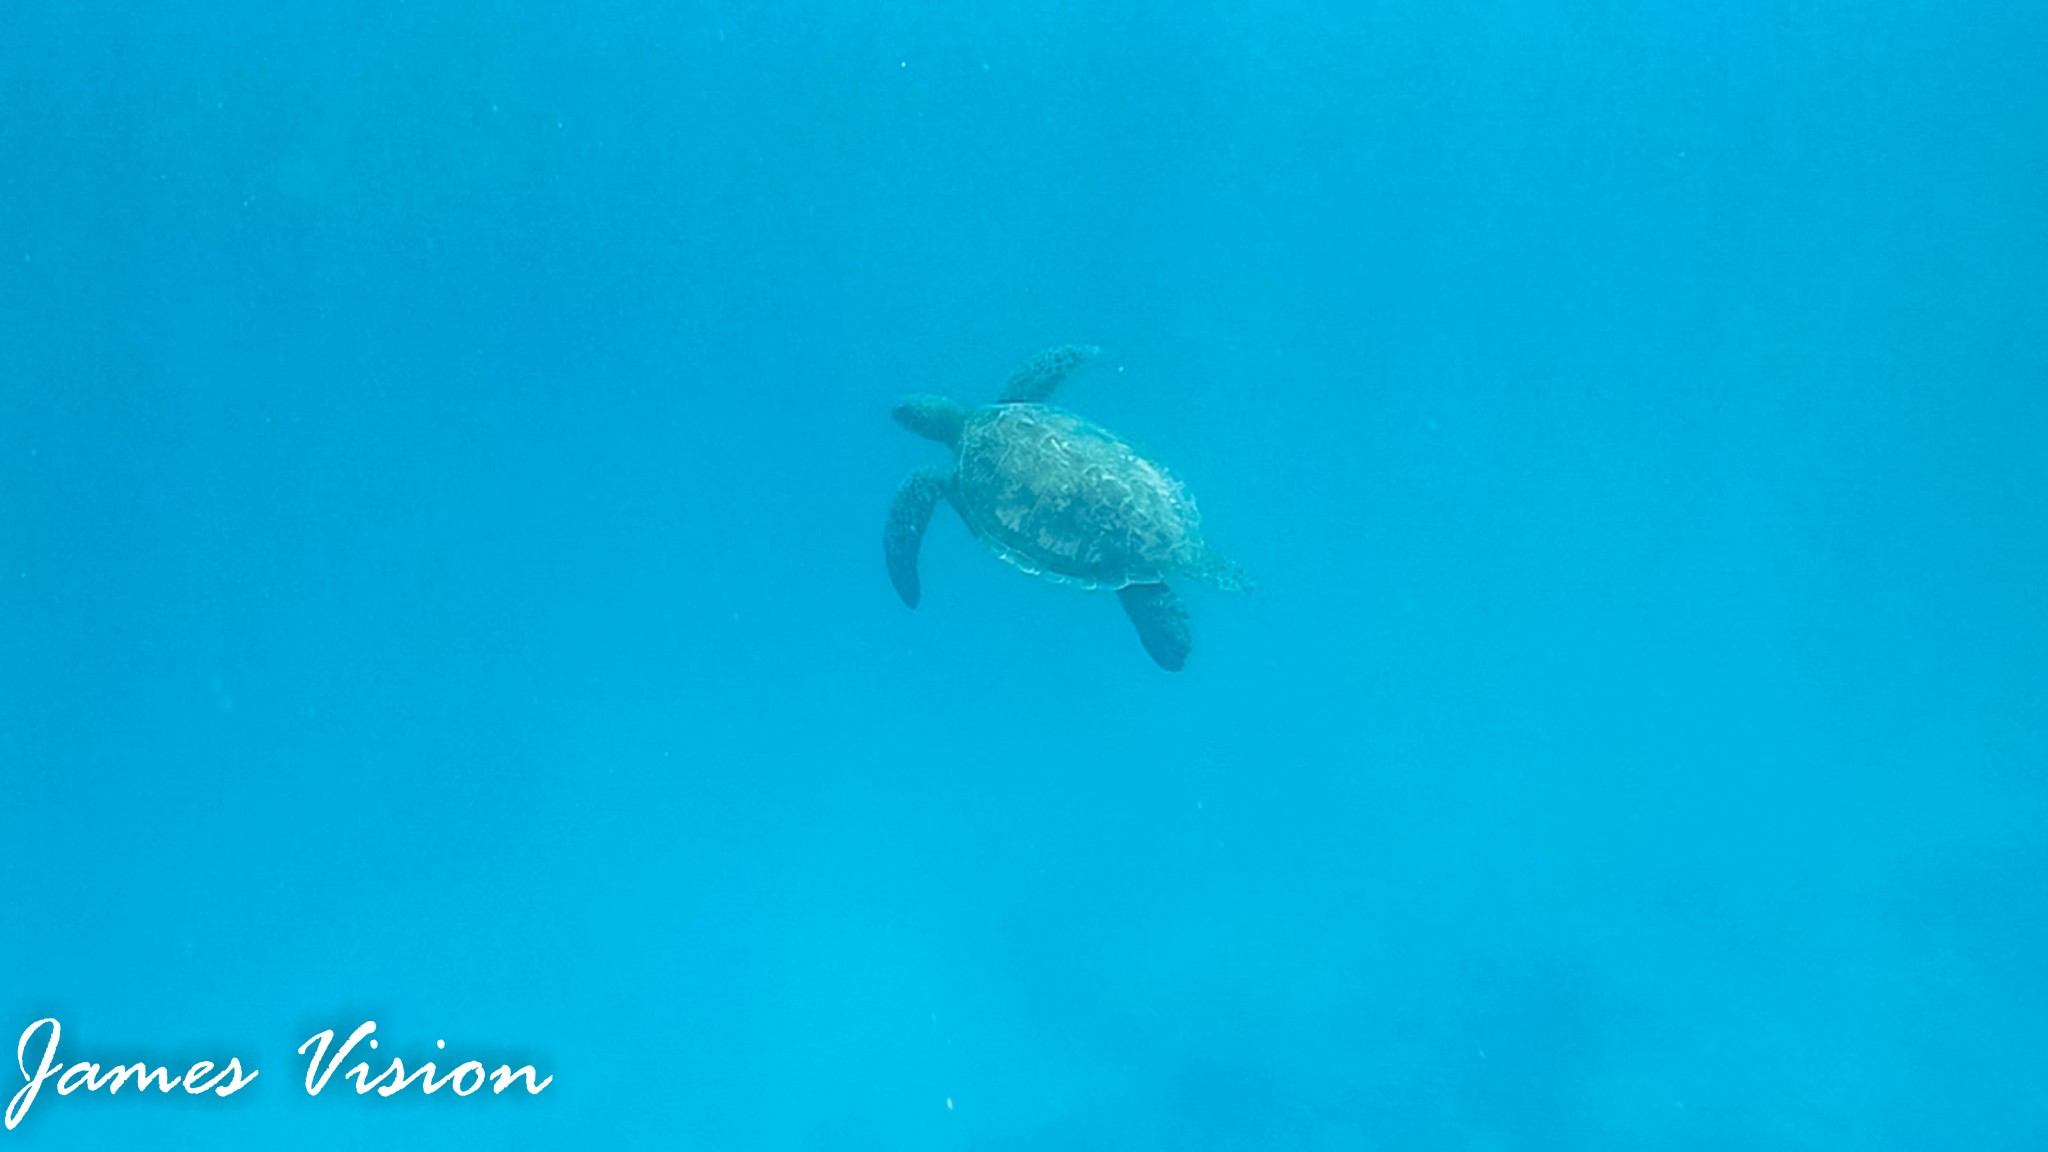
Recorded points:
1066,499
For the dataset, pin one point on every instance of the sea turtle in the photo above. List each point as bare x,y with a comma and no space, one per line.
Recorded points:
1059,497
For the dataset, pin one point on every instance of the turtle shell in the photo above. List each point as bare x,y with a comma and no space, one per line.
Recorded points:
1064,498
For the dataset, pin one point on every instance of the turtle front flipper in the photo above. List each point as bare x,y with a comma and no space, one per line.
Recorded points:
1162,622
1035,380
910,512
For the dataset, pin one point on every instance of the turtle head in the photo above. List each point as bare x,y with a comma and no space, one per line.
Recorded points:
934,417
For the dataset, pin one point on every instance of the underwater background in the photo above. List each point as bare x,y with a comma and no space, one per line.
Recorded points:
443,454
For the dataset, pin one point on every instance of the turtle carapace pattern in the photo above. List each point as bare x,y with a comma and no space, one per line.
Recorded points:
1060,497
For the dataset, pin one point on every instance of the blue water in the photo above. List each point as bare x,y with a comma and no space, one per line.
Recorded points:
443,453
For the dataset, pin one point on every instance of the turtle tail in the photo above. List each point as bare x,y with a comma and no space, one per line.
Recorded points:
1214,568
1228,575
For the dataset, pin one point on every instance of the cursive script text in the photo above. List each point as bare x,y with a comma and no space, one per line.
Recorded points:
198,1080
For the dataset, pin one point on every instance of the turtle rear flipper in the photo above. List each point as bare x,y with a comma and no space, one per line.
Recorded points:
909,514
1035,380
1162,622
